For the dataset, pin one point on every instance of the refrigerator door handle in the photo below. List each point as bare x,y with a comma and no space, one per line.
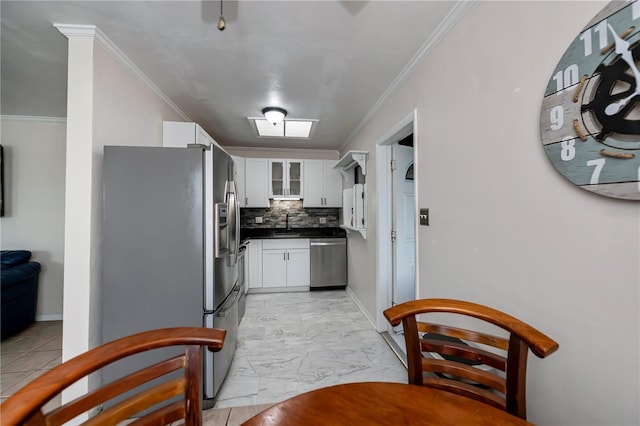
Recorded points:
234,223
233,298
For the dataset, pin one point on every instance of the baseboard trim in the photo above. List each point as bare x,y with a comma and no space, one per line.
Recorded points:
54,317
395,348
361,307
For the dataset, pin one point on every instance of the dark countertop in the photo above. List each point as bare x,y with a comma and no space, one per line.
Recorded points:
266,233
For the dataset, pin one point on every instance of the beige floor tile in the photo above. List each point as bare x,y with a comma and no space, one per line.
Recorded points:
51,344
8,358
215,416
10,390
7,380
21,344
33,361
53,363
240,415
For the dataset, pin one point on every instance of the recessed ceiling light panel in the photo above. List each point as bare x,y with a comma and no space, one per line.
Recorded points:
298,129
286,129
265,128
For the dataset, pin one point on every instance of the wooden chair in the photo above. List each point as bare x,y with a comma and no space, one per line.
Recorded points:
25,406
496,376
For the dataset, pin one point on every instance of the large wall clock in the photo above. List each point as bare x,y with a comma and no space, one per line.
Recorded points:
590,116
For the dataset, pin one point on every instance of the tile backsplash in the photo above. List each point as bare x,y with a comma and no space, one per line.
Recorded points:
299,217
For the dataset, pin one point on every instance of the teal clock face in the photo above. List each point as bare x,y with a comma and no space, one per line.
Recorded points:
590,115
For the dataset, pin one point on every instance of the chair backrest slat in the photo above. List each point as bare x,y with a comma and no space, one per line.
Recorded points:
134,404
461,333
461,350
105,393
460,370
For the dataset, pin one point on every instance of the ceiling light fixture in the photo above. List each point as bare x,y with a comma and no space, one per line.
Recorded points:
274,115
222,24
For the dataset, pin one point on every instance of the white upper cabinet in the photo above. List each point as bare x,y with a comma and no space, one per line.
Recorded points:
322,184
285,179
239,178
256,182
179,134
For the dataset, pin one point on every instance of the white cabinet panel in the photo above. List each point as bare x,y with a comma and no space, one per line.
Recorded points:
298,267
179,134
286,243
254,260
313,184
274,268
332,185
239,178
322,184
256,182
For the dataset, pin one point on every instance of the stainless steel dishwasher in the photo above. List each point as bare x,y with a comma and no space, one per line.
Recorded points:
328,263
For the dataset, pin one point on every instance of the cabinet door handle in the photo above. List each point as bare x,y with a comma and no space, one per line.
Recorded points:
287,255
284,256
246,200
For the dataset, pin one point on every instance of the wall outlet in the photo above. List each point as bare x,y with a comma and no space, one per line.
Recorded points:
323,220
258,219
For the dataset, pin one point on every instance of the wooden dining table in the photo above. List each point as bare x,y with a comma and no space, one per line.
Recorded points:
381,403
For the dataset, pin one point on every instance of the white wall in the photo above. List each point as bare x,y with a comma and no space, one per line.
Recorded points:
506,229
107,105
34,161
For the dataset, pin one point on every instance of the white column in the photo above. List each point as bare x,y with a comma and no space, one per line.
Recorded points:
78,283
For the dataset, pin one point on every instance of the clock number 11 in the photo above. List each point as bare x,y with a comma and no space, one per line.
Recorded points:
601,29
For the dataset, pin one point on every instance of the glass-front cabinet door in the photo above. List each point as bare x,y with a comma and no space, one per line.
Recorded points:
285,178
295,179
277,178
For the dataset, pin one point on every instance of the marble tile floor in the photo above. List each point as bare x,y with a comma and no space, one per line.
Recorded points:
290,343
27,355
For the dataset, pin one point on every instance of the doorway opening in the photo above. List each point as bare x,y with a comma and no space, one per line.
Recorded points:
397,177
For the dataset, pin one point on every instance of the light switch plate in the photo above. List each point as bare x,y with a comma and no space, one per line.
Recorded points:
323,220
424,217
258,219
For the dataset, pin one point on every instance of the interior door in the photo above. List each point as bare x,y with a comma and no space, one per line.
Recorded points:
404,262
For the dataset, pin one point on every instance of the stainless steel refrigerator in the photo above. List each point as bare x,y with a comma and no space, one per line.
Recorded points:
170,246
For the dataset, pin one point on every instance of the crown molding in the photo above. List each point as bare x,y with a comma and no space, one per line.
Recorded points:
427,47
34,118
76,31
91,31
281,150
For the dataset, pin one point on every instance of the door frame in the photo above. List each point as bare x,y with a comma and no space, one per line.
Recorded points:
384,248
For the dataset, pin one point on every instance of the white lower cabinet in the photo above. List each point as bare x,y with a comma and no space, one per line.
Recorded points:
298,267
285,263
254,261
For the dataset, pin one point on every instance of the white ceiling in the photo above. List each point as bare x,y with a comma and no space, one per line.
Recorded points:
326,60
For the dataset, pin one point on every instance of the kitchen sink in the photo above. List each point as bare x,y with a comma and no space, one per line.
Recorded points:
285,234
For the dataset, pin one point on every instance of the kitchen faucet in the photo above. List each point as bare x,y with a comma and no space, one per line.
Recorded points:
286,222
